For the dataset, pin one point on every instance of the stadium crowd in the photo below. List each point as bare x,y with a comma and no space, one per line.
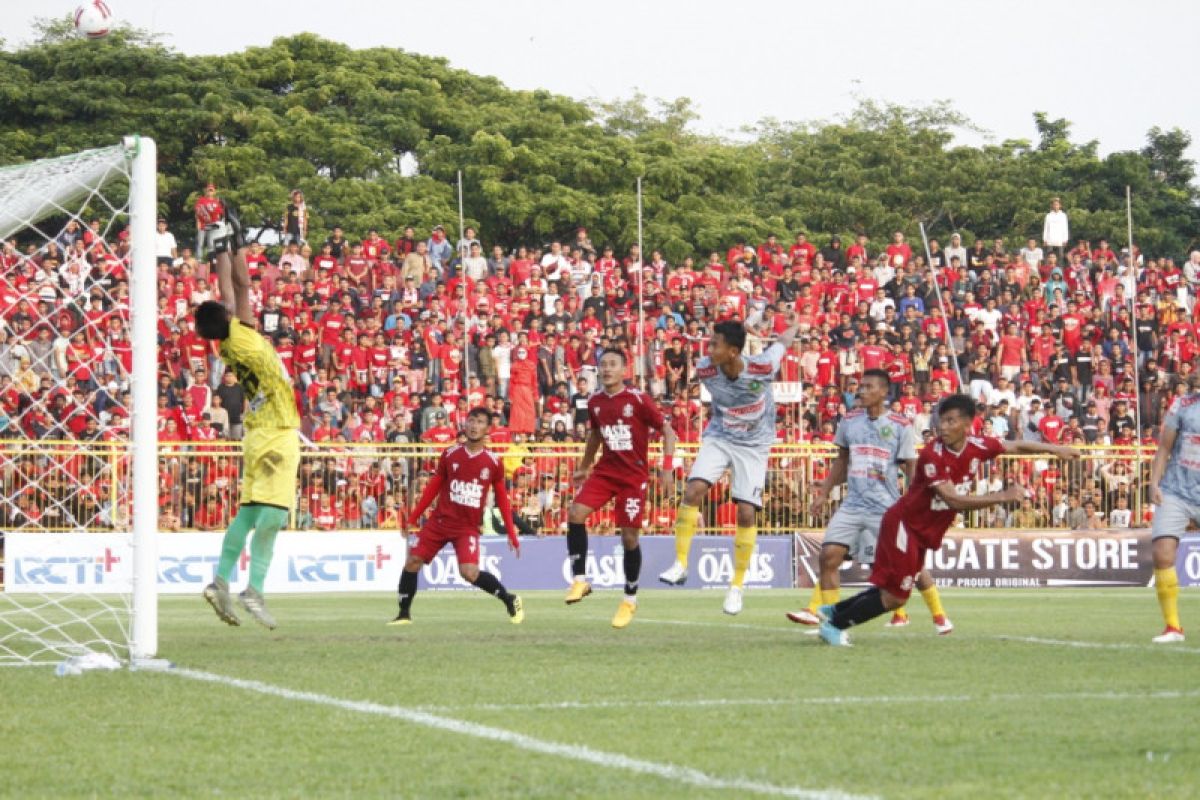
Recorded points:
394,340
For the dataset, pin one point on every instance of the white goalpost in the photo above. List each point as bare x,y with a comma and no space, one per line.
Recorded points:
79,513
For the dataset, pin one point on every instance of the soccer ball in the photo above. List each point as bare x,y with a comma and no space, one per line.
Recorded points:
93,19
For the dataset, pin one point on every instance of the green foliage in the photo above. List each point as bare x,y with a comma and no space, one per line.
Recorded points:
338,123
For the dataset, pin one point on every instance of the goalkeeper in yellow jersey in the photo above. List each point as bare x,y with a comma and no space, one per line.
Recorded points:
271,447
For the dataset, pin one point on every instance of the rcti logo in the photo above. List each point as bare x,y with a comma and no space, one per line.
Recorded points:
65,570
337,567
197,570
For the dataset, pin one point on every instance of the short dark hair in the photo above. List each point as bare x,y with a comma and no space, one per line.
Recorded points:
481,411
212,320
616,352
881,374
962,403
733,332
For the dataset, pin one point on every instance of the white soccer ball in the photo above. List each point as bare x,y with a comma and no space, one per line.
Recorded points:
93,19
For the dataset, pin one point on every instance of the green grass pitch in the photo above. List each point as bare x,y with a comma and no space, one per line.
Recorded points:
716,706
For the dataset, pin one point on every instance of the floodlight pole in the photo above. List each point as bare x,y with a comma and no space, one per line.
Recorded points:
462,255
641,354
941,304
1135,354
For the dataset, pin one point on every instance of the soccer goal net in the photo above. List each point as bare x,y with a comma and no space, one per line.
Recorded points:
78,334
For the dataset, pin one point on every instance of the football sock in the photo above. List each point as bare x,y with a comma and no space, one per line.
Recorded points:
814,602
863,607
686,518
408,590
491,584
262,546
934,600
235,540
633,570
1166,586
901,612
577,548
830,596
743,549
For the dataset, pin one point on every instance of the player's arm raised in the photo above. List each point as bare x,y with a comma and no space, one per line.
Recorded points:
594,441
836,476
1037,448
946,492
789,334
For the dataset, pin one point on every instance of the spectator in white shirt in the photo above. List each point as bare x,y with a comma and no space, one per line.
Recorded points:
956,249
166,250
1055,231
475,266
1031,254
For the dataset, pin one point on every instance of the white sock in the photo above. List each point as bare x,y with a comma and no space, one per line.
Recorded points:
631,598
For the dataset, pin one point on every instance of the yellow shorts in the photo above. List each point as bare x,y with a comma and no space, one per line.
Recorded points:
272,462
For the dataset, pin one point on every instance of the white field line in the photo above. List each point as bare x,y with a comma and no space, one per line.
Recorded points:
793,629
1157,648
671,772
569,705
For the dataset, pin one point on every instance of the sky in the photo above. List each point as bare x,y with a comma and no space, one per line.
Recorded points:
1112,68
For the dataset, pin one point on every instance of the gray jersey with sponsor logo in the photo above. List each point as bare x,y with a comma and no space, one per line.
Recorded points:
743,410
876,447
1182,475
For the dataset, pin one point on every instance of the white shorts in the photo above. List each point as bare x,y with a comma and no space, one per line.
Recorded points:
858,531
748,463
1173,517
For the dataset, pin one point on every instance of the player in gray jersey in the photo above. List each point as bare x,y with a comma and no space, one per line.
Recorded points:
1175,492
873,447
738,439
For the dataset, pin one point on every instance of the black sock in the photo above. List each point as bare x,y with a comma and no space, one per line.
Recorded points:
863,607
408,590
492,585
577,548
633,568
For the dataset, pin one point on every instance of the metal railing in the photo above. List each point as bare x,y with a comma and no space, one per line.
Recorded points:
85,486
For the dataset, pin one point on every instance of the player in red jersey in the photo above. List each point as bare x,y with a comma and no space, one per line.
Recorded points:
621,420
465,473
917,522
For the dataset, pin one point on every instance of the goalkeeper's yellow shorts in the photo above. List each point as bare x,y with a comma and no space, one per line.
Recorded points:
272,463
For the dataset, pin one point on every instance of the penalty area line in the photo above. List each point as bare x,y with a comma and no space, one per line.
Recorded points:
1157,648
671,772
845,700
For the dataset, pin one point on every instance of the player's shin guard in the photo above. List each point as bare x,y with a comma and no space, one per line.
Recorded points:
863,607
934,600
686,518
262,547
633,570
492,585
577,542
408,590
235,540
1166,586
743,550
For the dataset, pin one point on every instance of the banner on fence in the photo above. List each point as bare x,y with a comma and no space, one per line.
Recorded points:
101,563
1018,559
544,565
